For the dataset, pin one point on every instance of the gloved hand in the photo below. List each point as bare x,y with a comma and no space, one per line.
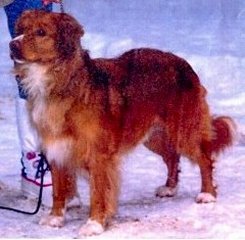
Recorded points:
46,2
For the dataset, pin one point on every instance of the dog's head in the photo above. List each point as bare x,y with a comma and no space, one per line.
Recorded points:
44,37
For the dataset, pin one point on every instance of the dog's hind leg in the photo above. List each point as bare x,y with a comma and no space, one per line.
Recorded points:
64,189
208,189
159,143
200,154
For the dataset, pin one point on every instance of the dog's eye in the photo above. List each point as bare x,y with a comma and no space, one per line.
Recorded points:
40,32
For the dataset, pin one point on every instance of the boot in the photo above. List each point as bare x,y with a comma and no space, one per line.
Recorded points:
31,156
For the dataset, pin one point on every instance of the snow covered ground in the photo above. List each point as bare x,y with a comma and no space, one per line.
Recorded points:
210,35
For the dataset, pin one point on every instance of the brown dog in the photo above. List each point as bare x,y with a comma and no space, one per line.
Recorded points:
89,112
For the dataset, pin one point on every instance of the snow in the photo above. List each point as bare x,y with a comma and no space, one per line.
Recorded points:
210,35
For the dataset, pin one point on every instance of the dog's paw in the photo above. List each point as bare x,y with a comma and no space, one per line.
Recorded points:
91,228
164,191
204,197
52,221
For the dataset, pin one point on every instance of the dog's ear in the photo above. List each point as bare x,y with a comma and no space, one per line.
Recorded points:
69,35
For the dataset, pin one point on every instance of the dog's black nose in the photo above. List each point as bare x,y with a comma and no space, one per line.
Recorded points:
15,49
14,46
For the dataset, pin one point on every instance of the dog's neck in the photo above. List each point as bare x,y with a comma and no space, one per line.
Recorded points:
40,80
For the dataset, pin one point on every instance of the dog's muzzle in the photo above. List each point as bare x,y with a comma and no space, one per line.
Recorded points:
15,50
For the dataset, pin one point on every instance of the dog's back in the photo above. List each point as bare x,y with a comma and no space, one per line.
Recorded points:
148,86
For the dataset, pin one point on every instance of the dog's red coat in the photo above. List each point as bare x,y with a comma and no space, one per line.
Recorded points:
89,112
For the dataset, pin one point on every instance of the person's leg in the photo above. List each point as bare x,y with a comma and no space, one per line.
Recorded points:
31,156
14,10
29,143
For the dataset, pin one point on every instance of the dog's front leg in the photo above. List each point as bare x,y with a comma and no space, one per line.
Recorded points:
104,187
64,188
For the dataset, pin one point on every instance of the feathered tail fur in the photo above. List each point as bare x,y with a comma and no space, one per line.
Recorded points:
224,129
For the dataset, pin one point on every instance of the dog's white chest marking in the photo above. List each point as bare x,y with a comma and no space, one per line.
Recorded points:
59,151
34,83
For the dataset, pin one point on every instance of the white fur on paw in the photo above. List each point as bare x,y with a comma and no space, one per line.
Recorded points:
52,221
204,197
164,191
92,227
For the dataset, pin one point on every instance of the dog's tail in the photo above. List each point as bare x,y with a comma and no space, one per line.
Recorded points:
224,130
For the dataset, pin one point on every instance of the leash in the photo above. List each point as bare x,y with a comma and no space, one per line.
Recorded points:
62,10
42,170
